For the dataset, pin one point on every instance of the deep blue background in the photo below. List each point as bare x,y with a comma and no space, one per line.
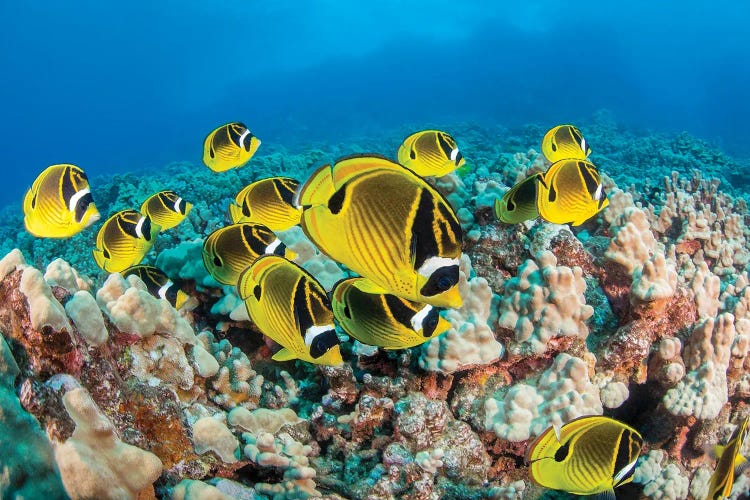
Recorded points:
132,85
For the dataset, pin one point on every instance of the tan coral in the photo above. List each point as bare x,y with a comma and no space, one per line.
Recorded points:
703,391
633,242
94,463
544,301
653,284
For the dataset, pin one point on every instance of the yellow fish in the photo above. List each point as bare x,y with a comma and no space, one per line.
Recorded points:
519,203
230,250
166,208
591,455
565,142
158,284
229,146
387,224
289,306
269,202
571,192
384,320
59,203
430,153
123,240
730,463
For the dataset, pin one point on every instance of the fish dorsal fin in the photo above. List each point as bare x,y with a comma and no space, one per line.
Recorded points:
605,495
349,167
284,355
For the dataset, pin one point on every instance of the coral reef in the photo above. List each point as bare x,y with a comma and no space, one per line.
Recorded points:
641,314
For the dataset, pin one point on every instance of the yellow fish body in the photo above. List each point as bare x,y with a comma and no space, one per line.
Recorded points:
384,320
166,208
291,307
158,284
430,153
387,224
519,203
59,203
269,202
592,455
123,240
730,460
230,250
571,192
229,146
565,142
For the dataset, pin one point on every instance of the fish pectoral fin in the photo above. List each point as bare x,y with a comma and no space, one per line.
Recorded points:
605,495
367,286
284,355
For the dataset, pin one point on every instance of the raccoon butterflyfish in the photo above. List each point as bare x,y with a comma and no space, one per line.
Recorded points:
123,240
430,153
730,463
158,284
590,455
382,319
269,202
519,203
291,307
229,146
230,250
387,224
59,203
564,142
571,192
166,208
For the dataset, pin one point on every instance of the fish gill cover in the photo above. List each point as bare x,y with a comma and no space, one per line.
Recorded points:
636,307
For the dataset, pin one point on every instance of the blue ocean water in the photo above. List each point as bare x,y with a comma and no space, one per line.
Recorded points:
126,86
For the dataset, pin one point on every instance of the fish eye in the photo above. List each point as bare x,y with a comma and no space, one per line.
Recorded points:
217,261
106,253
323,342
430,323
444,278
347,312
413,154
257,292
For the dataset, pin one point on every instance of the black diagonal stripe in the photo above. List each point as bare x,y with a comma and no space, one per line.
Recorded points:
67,187
423,241
336,201
257,238
286,188
590,179
444,144
577,137
399,309
301,307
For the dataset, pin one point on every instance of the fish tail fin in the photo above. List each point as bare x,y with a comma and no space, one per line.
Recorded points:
235,212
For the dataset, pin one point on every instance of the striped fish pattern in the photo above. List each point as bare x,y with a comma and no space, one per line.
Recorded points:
269,202
430,153
408,242
593,455
383,319
289,306
231,249
570,192
123,240
166,208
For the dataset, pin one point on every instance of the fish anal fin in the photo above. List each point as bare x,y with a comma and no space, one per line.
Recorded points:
284,355
604,495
